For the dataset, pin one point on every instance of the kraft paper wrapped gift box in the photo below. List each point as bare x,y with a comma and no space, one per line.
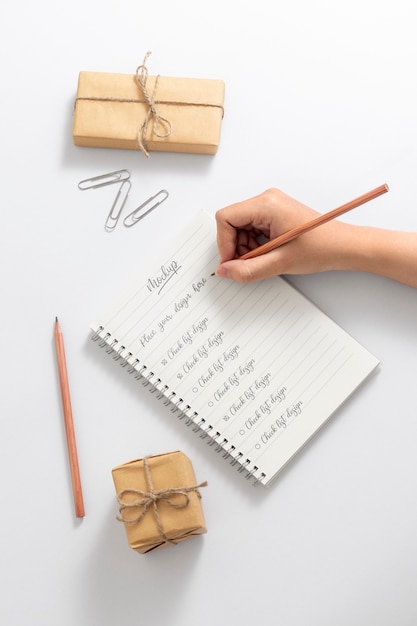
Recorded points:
149,113
159,501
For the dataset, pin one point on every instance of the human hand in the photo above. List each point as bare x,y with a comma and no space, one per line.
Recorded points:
244,226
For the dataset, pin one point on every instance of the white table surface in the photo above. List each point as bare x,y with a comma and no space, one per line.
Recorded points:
321,101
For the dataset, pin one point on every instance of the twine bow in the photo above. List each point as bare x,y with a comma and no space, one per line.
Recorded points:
150,498
158,120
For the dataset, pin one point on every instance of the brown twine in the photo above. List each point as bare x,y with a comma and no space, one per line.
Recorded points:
151,498
141,79
141,76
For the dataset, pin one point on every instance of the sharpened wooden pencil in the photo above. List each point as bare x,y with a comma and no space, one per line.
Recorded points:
69,425
318,221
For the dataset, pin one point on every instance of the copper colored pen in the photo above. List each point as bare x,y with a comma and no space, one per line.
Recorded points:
69,425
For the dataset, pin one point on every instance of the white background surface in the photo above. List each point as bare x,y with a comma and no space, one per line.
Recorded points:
321,101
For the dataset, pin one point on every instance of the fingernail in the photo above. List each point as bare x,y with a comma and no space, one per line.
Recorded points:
222,272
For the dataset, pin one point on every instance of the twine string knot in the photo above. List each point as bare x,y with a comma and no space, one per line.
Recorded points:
158,120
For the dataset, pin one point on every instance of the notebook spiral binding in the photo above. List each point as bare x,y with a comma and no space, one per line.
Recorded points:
176,404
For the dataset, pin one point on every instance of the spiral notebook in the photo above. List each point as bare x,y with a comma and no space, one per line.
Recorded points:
256,368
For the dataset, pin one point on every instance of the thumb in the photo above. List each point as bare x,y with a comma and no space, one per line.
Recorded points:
248,270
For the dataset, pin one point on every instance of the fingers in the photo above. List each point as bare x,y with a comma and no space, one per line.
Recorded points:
269,214
237,217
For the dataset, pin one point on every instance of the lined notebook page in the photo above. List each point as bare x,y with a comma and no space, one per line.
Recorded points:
258,367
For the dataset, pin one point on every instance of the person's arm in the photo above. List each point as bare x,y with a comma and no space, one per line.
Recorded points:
335,245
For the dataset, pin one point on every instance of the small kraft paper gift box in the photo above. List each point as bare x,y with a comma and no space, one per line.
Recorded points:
159,501
148,113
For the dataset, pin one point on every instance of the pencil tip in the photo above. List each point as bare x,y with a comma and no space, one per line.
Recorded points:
56,319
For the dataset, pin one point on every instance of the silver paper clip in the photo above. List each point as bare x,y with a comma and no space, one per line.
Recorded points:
134,217
118,205
118,176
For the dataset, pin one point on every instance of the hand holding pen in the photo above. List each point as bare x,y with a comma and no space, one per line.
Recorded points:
303,241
